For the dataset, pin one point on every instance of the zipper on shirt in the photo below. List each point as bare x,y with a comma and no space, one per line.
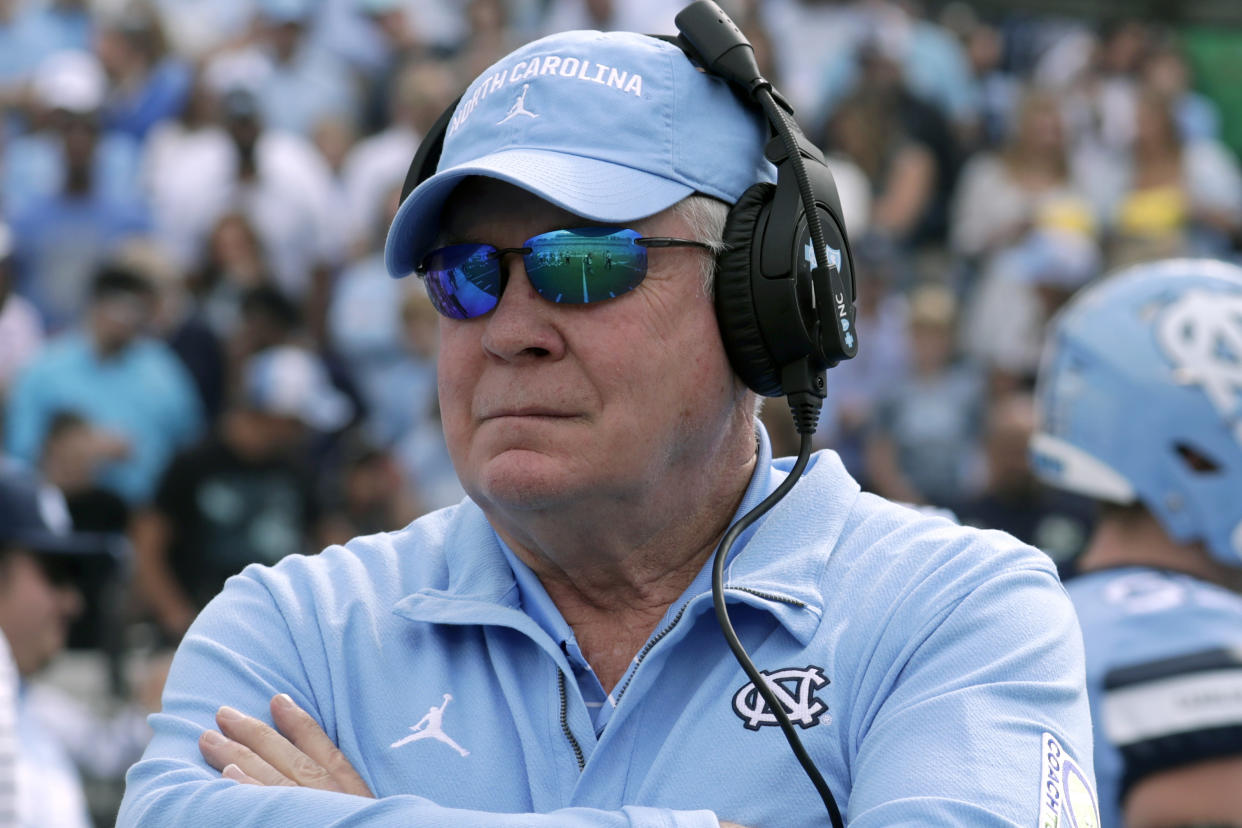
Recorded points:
769,596
655,639
569,734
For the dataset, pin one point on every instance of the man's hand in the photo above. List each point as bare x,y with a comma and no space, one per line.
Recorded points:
299,755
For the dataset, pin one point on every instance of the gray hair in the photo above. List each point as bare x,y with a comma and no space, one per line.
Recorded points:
706,218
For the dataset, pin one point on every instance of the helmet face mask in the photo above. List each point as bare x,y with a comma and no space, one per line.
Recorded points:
1140,399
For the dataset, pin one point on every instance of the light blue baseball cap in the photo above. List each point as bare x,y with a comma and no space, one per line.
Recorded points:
613,127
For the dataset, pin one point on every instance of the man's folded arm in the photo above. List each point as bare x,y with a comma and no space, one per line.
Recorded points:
240,653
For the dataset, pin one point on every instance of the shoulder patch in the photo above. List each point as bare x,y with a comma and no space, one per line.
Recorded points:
1066,792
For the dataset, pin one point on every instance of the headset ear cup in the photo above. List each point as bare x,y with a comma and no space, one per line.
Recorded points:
735,304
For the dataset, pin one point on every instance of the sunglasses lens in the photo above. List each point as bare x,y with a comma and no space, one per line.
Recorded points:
586,264
463,280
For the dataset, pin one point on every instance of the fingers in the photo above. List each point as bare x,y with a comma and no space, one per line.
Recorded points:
250,751
307,736
273,749
222,753
238,775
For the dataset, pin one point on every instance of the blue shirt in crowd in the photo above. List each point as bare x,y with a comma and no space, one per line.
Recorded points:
144,393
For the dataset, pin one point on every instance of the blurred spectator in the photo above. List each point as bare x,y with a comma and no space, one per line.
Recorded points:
1013,500
118,379
26,38
1096,78
1166,196
277,180
267,318
1021,288
41,563
371,494
923,447
420,92
937,69
21,331
232,264
398,41
333,137
179,321
70,191
244,495
998,88
1002,195
187,165
146,84
70,458
1166,73
295,82
902,143
51,26
929,60
72,452
284,188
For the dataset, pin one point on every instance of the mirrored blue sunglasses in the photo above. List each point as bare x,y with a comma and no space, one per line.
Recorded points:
577,266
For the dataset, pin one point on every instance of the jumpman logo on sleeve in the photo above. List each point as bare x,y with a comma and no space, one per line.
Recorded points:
431,726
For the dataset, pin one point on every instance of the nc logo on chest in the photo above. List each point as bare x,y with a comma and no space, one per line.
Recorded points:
794,688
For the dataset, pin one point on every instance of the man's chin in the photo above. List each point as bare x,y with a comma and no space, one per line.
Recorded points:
526,480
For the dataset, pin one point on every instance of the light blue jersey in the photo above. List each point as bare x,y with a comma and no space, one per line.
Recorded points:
1164,670
935,673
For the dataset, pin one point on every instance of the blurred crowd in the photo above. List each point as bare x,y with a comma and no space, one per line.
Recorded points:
200,346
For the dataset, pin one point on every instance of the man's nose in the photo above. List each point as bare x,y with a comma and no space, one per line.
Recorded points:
523,324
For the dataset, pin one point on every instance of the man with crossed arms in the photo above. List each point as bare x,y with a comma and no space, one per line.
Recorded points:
935,672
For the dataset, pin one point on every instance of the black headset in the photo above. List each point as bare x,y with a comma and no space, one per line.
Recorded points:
785,309
786,312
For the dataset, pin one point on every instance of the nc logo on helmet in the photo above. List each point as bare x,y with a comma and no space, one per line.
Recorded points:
794,689
1201,333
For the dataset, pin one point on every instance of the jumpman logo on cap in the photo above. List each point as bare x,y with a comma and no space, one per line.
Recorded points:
431,726
519,107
